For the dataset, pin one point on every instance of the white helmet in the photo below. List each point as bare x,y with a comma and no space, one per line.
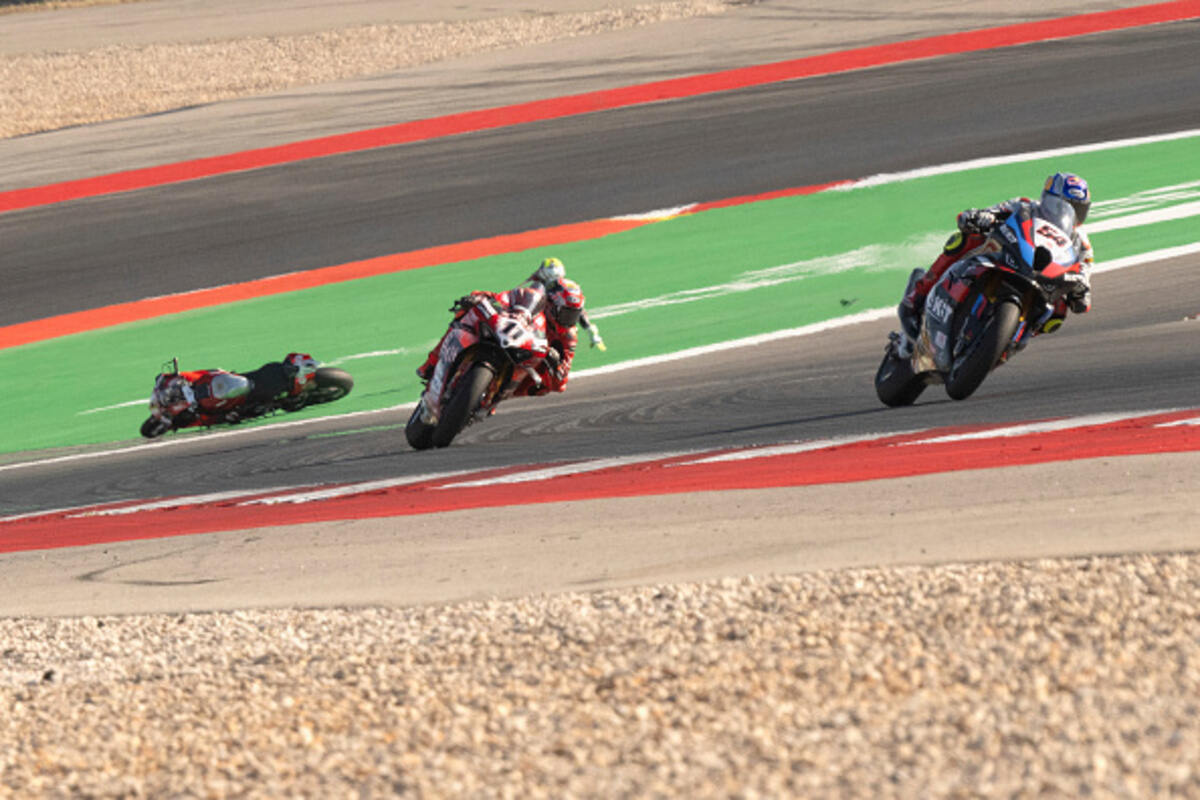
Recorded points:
549,272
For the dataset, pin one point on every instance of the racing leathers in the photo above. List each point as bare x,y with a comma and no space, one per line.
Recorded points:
974,225
552,372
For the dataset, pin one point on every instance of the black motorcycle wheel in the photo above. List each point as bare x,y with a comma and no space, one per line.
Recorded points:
153,427
418,433
331,384
972,367
463,403
896,383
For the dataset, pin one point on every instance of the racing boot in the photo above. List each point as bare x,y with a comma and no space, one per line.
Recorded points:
911,306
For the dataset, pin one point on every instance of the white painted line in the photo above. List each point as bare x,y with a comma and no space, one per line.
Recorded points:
1178,422
1048,426
176,502
352,489
206,437
1018,158
662,213
545,473
1181,211
143,402
789,449
1146,258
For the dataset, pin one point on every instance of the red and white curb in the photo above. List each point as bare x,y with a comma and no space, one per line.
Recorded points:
835,460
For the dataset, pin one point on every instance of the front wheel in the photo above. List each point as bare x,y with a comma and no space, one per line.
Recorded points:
972,367
463,403
896,383
418,433
154,427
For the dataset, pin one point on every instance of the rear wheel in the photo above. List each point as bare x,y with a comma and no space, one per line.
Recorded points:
896,383
973,366
464,402
331,384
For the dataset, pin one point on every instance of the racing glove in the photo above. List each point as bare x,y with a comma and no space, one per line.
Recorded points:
976,220
594,335
1080,299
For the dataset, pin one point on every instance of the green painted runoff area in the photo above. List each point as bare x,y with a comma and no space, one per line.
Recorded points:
693,280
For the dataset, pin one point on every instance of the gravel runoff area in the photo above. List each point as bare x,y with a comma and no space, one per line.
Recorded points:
1061,678
50,90
1068,678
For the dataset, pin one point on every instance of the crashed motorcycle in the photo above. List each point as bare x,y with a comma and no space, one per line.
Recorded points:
218,397
494,350
986,307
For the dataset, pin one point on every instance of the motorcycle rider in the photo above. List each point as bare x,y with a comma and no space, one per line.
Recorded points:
548,274
211,396
547,277
974,225
561,308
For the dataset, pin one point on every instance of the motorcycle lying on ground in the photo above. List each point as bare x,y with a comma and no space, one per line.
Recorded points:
986,307
175,404
500,348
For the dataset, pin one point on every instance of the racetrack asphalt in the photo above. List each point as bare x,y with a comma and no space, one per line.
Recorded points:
1133,352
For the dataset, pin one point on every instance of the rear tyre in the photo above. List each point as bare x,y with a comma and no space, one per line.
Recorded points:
418,433
896,383
331,384
463,403
970,369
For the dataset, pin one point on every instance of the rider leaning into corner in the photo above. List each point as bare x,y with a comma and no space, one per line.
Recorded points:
974,224
211,396
546,291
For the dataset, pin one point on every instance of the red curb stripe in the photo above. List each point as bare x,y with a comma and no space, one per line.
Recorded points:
862,461
137,310
541,110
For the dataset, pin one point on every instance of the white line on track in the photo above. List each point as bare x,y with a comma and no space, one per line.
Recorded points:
1048,426
562,470
787,449
1017,158
353,488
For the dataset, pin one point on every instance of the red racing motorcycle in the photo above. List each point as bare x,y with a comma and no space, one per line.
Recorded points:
218,397
494,349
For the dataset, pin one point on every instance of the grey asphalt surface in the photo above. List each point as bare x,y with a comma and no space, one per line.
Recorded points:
332,210
1135,351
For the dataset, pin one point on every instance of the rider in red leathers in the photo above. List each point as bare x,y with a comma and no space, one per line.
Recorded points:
559,309
974,224
548,277
212,396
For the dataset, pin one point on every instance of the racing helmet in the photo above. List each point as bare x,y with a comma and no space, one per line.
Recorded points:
549,272
565,303
1070,188
168,390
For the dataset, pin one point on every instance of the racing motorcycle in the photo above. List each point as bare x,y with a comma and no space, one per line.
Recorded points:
218,397
986,307
498,349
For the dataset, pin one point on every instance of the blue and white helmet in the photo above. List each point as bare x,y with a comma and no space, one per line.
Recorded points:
1070,188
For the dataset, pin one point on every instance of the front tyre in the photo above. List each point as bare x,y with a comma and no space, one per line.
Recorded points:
971,368
463,403
418,433
154,427
896,383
